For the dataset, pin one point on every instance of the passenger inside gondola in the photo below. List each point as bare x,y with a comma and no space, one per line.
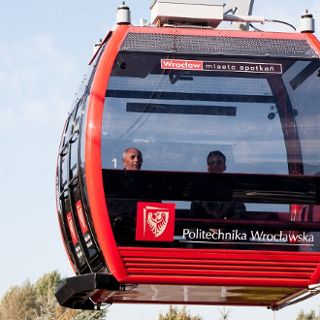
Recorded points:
216,162
132,159
123,211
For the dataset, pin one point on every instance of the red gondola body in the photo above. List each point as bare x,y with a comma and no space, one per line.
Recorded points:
206,261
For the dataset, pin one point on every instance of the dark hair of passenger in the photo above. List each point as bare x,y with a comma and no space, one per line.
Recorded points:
216,153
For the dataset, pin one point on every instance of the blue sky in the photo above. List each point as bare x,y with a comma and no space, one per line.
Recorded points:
44,48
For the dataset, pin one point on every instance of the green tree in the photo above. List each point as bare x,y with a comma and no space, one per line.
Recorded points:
175,314
19,303
224,314
90,315
307,316
72,314
47,306
37,302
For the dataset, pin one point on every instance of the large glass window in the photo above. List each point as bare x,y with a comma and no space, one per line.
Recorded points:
260,113
177,117
302,83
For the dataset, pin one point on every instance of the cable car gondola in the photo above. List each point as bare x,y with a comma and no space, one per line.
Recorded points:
178,98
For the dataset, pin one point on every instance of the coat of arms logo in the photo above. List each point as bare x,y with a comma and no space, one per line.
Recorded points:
155,221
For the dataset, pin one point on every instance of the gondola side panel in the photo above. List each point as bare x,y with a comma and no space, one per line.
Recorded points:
93,164
315,278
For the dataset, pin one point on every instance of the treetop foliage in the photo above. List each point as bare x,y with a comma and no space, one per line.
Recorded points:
175,314
307,316
37,302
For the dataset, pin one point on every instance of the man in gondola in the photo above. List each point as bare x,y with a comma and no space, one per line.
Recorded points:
123,211
216,162
132,159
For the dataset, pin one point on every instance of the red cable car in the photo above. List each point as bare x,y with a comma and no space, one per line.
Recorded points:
180,102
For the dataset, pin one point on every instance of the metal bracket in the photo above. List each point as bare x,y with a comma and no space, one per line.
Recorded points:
76,292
